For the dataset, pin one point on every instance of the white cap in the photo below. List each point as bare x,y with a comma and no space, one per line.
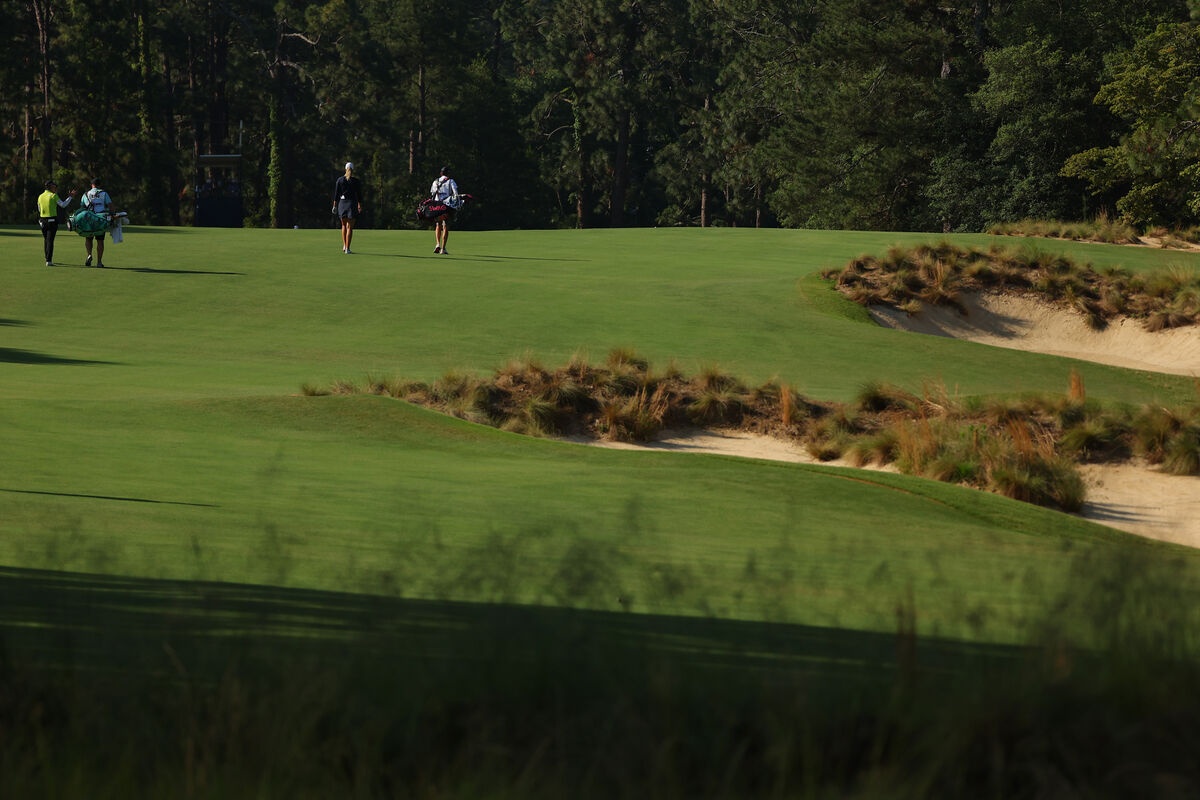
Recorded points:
349,165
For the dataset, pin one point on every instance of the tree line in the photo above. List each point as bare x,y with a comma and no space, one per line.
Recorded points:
865,114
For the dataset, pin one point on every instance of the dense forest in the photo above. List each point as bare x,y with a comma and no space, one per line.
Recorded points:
900,114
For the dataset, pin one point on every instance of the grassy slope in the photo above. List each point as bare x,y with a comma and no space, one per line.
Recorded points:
297,310
147,427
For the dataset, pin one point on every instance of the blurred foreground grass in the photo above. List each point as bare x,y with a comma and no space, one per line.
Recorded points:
126,688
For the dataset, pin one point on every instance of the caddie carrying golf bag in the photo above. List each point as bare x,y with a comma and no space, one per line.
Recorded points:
432,210
86,222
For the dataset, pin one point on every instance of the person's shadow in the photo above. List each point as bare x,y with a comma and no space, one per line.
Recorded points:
158,271
153,270
10,355
483,257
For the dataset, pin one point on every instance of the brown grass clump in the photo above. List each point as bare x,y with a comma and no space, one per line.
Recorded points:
1078,392
1101,229
718,407
712,379
1166,318
1170,437
638,418
1098,439
1025,447
625,358
878,397
908,280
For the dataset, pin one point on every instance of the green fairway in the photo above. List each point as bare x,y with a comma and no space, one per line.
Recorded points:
151,425
212,313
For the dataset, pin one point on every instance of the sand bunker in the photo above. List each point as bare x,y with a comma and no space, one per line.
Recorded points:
1130,497
1139,499
728,443
1157,243
1133,497
1027,323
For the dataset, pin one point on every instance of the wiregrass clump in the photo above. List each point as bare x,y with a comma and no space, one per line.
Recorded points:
1026,447
1101,229
942,274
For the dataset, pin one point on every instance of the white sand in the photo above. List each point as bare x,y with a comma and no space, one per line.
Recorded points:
1141,500
729,443
1026,323
1132,497
1129,497
1157,243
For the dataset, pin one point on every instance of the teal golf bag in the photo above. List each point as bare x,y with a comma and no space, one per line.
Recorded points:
86,222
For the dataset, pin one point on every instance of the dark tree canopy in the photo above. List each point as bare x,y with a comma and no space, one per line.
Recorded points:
877,114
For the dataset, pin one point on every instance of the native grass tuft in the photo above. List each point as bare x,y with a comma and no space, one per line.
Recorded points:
1028,448
911,279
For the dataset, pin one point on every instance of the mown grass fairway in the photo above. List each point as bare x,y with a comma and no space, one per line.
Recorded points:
155,445
151,425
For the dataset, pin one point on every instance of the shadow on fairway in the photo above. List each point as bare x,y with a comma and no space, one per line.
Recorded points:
414,257
490,259
13,323
110,497
140,230
154,271
92,622
9,355
531,258
158,683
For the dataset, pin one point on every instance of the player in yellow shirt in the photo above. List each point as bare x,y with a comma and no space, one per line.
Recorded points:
50,212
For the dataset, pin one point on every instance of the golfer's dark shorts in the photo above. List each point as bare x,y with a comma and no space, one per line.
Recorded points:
99,236
347,209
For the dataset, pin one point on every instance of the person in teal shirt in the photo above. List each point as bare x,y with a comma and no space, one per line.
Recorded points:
97,201
50,212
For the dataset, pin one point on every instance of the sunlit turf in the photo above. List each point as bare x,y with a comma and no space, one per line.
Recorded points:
150,425
203,313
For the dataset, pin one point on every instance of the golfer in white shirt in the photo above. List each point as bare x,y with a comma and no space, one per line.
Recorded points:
445,190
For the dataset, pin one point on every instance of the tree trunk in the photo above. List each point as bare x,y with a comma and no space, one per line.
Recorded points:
706,175
28,147
43,15
277,182
218,105
194,106
495,53
979,21
620,170
581,192
153,179
416,138
174,179
581,170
